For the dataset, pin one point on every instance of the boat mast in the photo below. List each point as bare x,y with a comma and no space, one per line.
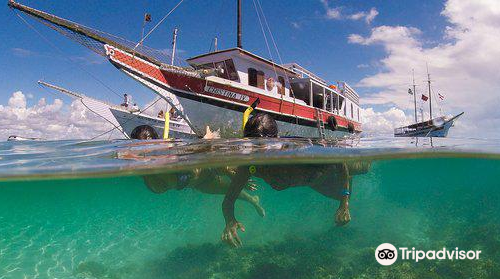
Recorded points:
430,93
174,45
239,44
415,96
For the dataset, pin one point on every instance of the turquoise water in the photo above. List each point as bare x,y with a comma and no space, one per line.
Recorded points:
82,210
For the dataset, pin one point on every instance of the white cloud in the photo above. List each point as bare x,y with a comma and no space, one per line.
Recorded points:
368,17
382,123
49,120
464,66
336,13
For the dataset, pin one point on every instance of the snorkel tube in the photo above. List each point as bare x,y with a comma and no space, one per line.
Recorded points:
247,113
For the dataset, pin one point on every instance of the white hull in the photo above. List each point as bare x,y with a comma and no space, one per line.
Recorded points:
129,121
126,121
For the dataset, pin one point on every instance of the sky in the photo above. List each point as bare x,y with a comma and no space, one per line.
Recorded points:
371,44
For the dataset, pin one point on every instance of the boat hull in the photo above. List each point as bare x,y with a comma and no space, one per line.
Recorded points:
229,122
129,121
205,113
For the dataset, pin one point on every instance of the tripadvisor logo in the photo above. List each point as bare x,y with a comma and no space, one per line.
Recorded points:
387,254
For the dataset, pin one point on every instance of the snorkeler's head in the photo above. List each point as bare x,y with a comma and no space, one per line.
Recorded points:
261,125
144,132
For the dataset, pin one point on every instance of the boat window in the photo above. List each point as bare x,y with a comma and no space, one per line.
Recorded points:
281,85
221,70
352,111
300,91
318,94
252,77
318,100
205,66
231,70
260,79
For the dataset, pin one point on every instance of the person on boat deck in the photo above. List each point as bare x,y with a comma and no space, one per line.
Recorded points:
332,180
126,100
208,181
173,113
161,114
134,108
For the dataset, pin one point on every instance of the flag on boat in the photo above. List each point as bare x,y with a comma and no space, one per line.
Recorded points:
410,92
441,96
425,98
147,17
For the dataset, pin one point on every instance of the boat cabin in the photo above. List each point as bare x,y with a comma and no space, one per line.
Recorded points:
291,82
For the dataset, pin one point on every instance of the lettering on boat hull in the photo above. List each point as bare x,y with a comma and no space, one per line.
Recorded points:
227,94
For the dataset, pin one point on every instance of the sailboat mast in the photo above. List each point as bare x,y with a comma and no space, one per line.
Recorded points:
430,93
415,96
174,45
239,44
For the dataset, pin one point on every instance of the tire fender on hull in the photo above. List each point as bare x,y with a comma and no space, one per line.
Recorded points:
332,123
350,128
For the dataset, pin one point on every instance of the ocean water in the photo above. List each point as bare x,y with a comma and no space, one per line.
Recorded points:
77,209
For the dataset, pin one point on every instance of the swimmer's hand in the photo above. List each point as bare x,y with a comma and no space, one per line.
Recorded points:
230,233
342,216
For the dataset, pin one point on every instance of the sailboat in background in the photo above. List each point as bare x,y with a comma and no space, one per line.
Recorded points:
434,127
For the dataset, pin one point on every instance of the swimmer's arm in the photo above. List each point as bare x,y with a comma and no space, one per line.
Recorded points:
230,233
238,183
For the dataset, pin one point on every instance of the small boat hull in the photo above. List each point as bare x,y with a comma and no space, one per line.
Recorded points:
129,121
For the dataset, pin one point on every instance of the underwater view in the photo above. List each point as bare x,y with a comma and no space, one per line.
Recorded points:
157,209
319,139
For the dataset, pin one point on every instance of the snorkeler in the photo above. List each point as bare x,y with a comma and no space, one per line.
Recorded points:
332,181
208,181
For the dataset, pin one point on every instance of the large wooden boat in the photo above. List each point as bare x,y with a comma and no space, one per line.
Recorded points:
218,86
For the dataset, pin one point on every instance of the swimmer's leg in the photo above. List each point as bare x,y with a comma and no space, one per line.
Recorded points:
253,200
343,216
219,185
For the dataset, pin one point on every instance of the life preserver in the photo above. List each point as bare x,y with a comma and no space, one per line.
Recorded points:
144,132
332,123
350,128
270,84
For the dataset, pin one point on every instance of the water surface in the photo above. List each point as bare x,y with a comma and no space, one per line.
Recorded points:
77,209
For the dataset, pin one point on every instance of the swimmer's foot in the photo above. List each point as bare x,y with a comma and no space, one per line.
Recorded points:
342,216
256,203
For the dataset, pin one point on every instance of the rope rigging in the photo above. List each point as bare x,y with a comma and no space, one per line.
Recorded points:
158,24
65,55
92,47
259,11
